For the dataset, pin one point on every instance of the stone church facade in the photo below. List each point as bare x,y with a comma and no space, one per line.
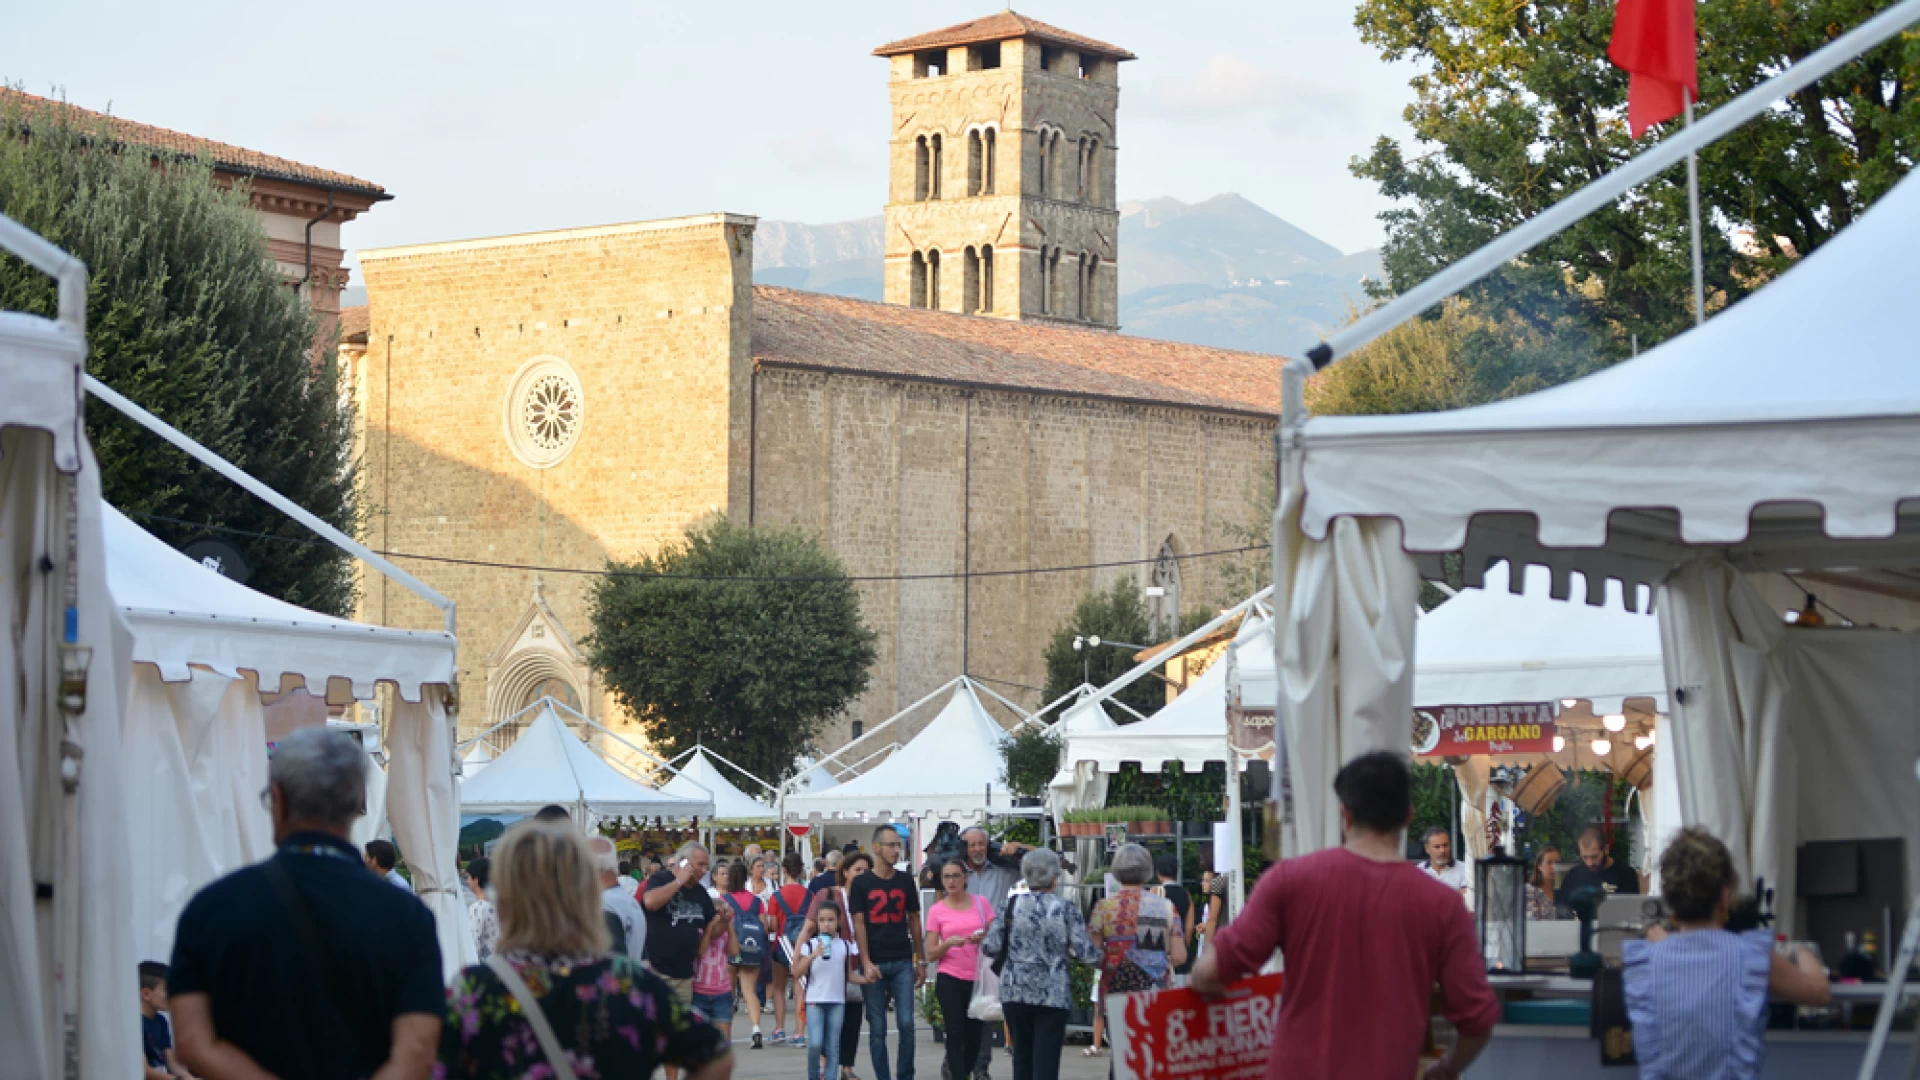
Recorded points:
561,399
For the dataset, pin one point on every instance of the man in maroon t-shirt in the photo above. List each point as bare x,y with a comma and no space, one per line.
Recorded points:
1365,935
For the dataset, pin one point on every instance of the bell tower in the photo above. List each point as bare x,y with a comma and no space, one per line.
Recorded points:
1001,196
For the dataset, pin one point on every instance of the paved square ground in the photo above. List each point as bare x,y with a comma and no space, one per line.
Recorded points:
791,1064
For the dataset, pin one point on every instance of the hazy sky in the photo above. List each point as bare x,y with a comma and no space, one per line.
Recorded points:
483,118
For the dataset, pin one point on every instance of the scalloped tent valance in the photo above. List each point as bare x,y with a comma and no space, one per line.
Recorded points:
185,615
1785,431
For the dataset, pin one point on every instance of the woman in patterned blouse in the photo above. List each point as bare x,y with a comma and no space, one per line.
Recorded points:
1036,932
1138,933
612,1017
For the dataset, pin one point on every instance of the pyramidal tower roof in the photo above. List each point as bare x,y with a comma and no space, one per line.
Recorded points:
1001,26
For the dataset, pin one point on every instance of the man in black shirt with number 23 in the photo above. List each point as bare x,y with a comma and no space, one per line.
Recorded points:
886,921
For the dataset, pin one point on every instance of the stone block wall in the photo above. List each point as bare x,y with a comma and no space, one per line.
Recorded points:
915,478
653,318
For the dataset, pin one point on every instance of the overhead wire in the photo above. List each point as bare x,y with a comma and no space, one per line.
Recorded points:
586,572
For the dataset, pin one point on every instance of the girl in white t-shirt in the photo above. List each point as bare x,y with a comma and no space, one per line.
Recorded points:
823,963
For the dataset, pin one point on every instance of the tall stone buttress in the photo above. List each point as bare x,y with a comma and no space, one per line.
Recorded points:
1001,195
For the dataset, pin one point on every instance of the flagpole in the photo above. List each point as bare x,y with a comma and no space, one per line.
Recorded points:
1693,214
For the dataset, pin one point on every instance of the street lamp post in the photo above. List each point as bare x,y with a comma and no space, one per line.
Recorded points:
1084,645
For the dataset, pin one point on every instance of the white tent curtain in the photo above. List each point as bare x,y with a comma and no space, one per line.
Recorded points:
1732,747
72,840
194,812
1345,609
424,809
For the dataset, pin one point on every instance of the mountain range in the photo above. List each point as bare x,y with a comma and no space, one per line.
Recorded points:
1221,272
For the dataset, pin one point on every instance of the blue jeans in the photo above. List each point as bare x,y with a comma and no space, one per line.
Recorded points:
896,983
823,1037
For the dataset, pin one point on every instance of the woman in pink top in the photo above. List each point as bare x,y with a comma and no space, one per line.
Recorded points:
955,927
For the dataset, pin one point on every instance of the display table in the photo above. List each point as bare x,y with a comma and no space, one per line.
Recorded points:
1569,1052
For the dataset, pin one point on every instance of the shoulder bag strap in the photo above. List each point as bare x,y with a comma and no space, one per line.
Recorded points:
321,958
1006,947
530,1008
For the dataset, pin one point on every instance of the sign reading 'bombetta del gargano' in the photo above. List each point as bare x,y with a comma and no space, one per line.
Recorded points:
1460,730
1179,1035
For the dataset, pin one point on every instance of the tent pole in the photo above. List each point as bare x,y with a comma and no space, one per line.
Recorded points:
1238,894
271,497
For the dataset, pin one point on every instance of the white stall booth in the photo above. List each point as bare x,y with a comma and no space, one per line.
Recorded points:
67,959
950,771
206,651
549,765
1782,438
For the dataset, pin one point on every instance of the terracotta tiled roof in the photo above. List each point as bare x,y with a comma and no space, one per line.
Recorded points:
832,333
1002,26
228,158
355,322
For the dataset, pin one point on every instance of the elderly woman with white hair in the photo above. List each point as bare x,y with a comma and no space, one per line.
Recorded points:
1029,944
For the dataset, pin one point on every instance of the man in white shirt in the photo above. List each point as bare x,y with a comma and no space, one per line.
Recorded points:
1440,863
616,897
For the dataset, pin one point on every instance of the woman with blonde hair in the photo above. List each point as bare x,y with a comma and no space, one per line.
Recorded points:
1698,997
552,994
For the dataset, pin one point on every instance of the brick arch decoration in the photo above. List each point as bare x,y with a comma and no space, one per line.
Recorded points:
510,686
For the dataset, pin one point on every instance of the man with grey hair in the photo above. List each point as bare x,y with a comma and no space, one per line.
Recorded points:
305,965
616,895
828,878
990,876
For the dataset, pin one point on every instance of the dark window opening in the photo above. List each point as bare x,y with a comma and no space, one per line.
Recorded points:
927,65
933,279
983,57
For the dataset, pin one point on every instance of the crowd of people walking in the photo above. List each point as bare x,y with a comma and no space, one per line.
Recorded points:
307,965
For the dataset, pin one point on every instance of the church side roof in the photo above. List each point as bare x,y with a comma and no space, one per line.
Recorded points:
355,322
1001,26
816,332
226,157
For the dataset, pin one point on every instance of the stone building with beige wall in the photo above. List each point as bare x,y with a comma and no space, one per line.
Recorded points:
560,399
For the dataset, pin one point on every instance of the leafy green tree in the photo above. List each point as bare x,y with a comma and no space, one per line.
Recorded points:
1029,760
186,315
1119,613
1516,106
745,639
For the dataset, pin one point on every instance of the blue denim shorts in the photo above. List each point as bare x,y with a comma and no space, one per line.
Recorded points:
717,1008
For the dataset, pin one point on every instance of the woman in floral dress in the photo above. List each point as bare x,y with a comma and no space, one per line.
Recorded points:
612,1017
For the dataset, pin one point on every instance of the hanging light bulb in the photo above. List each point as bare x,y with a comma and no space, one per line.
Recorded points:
1641,742
1615,721
1559,743
1602,747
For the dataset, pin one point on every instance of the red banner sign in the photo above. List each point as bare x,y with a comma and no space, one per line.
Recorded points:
799,830
1463,730
1179,1035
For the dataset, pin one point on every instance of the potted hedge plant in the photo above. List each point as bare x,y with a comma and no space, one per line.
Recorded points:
930,1012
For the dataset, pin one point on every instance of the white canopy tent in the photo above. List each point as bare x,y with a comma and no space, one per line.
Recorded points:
550,765
699,779
1080,784
951,769
1493,644
67,960
1783,435
205,649
1190,729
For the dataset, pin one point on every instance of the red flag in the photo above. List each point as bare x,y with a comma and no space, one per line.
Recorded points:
1655,43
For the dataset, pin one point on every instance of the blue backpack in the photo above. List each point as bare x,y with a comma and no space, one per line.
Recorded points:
751,932
791,922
